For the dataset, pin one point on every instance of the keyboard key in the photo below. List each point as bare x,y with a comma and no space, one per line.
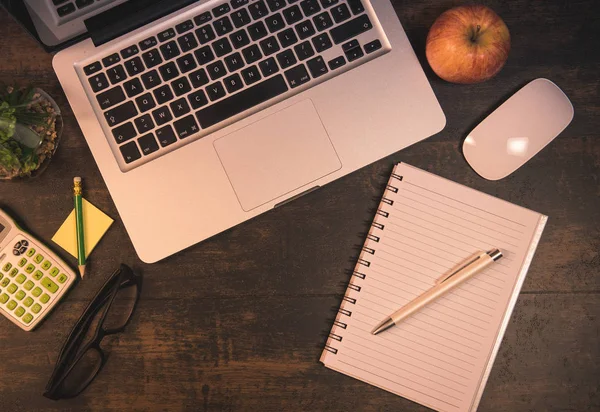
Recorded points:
268,67
240,18
205,34
197,99
168,71
204,55
310,7
29,268
322,42
148,144
236,4
133,87
305,29
372,46
351,29
129,51
233,83
258,10
203,18
269,46
149,42
28,285
4,298
275,22
297,76
234,62
322,21
215,91
292,14
337,62
54,271
92,68
356,6
198,78
5,282
110,60
239,39
163,94
27,318
36,292
145,102
110,97
317,67
98,82
19,312
116,74
38,258
20,295
216,70
257,30
62,278
186,127
287,37
286,59
182,85
221,10
130,153
166,35
12,288
36,308
124,132
120,113
165,136
22,262
328,3
340,13
186,63
38,275
20,279
251,75
222,47
241,101
83,3
179,107
184,26
352,50
144,124
27,302
304,50
31,252
45,298
275,5
170,50
66,9
187,42
134,66
152,58
252,54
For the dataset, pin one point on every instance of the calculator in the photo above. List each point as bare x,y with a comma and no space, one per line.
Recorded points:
32,278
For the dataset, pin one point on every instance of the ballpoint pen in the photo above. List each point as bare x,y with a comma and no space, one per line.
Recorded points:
446,283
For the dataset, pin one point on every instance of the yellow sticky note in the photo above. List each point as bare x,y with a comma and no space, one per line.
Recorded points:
95,224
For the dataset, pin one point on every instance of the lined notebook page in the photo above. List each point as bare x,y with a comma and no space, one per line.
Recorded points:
441,356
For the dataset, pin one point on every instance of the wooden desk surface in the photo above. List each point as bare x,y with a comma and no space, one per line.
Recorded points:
237,323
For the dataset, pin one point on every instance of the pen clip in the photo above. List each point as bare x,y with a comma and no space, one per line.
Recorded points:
447,276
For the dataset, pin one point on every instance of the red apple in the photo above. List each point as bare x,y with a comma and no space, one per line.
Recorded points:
468,44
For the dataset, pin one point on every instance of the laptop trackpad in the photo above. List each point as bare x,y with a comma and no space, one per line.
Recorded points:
276,155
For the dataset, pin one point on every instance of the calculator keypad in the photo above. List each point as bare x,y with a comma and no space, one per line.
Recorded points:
31,281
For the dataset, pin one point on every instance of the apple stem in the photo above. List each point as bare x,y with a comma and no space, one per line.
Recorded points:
474,35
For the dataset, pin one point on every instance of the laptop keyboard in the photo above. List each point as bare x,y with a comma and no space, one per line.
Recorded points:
66,8
168,89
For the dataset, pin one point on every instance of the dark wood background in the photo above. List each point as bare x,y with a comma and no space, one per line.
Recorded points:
237,323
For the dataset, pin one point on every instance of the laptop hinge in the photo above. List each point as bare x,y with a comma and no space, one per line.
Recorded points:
129,16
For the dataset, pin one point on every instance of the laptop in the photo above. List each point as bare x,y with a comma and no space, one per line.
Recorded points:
203,114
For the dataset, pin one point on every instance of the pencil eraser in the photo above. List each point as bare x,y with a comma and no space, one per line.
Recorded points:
77,179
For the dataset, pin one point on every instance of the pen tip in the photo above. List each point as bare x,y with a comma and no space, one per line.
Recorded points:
384,325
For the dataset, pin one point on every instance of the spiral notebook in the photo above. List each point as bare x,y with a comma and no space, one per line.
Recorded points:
425,225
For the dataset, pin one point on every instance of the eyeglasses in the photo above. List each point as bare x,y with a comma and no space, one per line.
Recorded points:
81,357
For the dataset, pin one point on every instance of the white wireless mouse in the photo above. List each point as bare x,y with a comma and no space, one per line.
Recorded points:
518,129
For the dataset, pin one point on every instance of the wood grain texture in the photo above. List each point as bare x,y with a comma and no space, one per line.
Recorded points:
237,323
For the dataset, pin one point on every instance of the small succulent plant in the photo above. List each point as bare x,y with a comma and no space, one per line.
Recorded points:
27,131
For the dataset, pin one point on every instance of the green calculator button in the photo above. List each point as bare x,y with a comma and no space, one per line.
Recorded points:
12,288
1,276
62,278
28,285
30,268
20,295
3,298
38,258
30,252
54,271
20,279
13,272
38,275
7,267
11,305
28,301
22,262
44,298
27,318
36,292
46,265
49,285
19,312
36,308
5,282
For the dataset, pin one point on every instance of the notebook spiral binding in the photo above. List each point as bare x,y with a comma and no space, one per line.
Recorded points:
355,273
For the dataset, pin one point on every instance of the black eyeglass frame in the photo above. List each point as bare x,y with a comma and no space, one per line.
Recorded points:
72,352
